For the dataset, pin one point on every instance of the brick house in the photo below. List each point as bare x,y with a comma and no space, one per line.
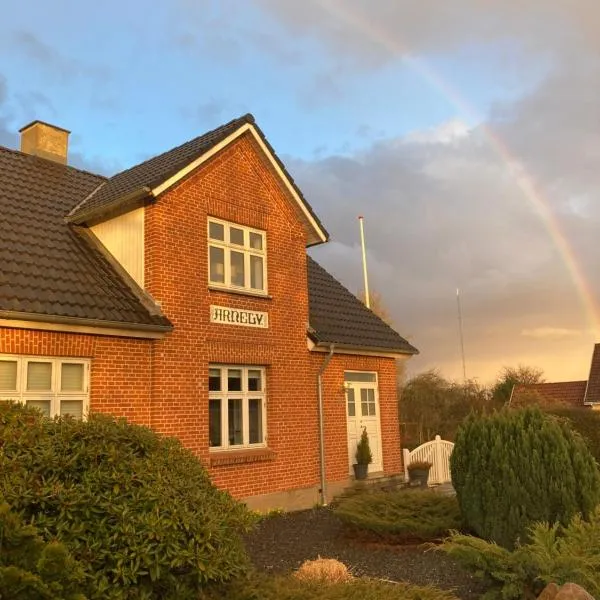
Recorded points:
179,295
583,394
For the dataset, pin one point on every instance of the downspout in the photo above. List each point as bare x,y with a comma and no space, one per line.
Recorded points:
327,360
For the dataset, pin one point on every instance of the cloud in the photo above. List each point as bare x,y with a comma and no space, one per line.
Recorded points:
453,206
52,62
551,333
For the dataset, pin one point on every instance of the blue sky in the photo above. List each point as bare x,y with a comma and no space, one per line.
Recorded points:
363,131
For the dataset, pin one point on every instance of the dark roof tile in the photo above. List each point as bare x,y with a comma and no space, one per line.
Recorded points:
46,267
338,317
137,180
592,394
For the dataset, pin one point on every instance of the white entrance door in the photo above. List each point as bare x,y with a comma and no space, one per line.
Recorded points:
362,411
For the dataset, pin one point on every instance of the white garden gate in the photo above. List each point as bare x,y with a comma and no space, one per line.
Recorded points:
436,452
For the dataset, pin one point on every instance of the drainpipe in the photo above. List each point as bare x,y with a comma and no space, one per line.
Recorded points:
322,424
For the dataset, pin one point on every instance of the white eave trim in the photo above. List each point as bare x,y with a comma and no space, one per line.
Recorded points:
82,329
248,127
312,347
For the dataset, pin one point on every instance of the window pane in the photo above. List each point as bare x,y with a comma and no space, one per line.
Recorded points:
71,377
237,269
364,409
234,380
214,423
42,405
214,380
255,421
368,377
73,408
216,231
351,402
217,264
236,236
8,374
256,241
254,380
234,416
256,272
39,376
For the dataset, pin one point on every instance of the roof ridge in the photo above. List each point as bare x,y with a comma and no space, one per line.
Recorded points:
238,122
52,162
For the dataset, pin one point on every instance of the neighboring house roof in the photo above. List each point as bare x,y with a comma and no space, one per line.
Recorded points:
338,317
592,393
565,394
49,271
138,182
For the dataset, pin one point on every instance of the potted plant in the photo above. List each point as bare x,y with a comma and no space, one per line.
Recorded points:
418,472
363,456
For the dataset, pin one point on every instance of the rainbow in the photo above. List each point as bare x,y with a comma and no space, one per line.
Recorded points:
525,182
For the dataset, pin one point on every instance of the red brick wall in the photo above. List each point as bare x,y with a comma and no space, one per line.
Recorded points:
164,383
336,436
239,187
120,367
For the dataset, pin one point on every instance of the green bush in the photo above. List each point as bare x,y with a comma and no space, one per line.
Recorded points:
290,588
553,554
519,467
31,569
587,423
138,511
415,515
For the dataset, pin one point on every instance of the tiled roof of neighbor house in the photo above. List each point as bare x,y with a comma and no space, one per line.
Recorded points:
563,394
338,317
140,179
46,267
592,394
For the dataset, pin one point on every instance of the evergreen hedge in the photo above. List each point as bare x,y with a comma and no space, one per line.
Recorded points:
515,468
136,510
586,422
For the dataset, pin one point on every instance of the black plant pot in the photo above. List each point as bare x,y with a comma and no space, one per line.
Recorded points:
360,471
420,476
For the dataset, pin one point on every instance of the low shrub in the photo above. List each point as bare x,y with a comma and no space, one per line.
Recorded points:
33,569
323,569
553,554
516,468
138,511
404,515
290,588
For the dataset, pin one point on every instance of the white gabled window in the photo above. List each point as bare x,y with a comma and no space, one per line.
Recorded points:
56,386
237,257
236,407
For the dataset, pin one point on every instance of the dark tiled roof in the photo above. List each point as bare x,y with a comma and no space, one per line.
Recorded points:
46,267
549,395
138,180
592,393
338,317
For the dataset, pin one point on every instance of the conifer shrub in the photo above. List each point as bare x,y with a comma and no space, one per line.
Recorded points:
136,510
514,468
553,554
31,569
586,422
400,516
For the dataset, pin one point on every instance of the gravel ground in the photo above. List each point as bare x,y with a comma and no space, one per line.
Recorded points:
282,542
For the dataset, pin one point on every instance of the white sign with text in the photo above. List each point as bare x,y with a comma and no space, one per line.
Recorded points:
237,316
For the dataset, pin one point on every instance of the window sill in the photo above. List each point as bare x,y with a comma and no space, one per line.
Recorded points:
238,457
226,290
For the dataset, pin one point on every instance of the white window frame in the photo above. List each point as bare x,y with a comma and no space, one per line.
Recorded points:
245,395
246,250
54,395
